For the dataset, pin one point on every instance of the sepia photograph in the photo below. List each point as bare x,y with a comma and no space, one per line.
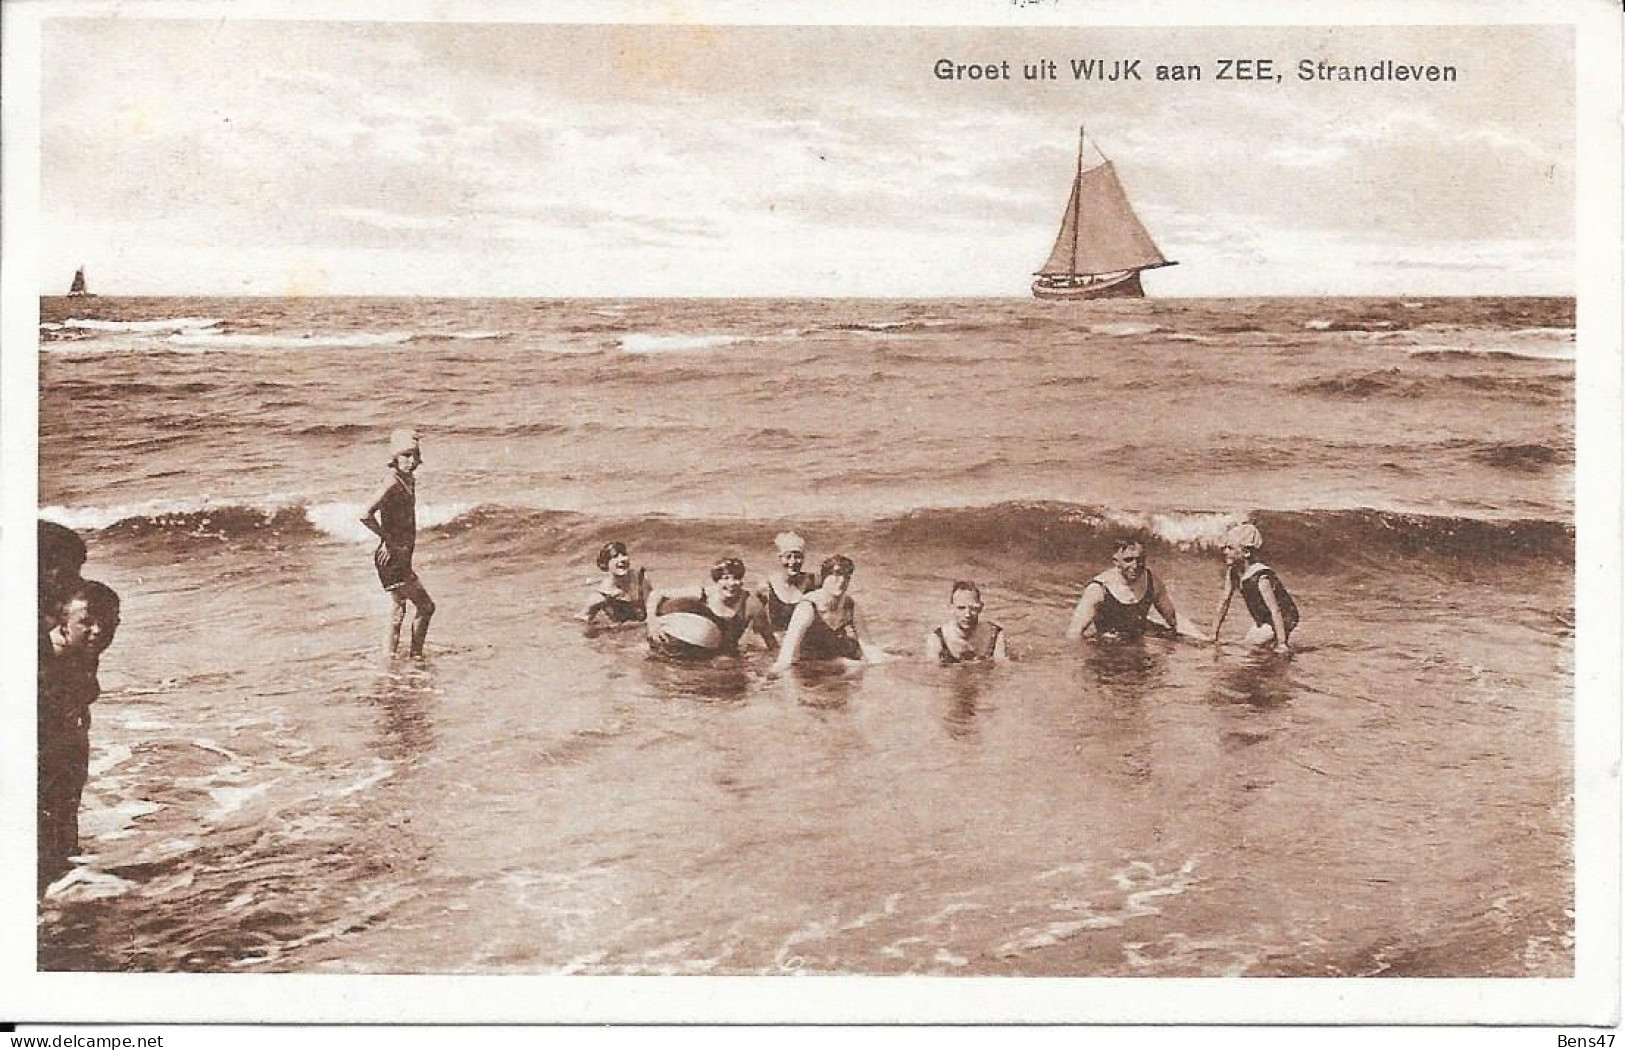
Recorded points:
1040,491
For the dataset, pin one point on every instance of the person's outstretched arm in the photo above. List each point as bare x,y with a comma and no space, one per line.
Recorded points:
790,647
1224,604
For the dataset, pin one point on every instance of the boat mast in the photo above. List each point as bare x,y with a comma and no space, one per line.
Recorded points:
1077,181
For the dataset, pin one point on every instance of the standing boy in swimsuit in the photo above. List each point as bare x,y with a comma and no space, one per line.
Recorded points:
1118,602
965,638
1274,613
80,629
392,517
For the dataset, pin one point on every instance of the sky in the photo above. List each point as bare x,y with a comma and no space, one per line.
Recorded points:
233,157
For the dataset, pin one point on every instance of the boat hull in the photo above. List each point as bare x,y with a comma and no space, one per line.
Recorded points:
1125,287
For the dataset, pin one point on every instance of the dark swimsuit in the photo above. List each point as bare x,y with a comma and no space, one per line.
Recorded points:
398,521
1114,616
625,610
946,655
1255,598
823,642
732,628
779,611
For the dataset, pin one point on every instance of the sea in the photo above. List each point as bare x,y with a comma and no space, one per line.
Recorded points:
270,792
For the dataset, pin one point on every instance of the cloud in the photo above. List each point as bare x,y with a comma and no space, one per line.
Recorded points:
630,155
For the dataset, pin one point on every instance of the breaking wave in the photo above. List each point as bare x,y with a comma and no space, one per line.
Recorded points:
1044,531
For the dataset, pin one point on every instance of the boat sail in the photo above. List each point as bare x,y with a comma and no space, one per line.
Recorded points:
1102,246
78,286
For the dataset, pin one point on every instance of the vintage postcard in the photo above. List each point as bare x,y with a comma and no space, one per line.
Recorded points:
1014,511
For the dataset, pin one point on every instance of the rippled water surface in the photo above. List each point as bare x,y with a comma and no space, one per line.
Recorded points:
269,793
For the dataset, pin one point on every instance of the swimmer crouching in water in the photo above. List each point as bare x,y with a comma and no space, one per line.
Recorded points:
826,624
1274,613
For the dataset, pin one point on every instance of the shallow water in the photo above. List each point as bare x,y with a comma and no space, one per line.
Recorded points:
268,793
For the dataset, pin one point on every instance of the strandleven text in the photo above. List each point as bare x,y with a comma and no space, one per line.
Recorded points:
1236,69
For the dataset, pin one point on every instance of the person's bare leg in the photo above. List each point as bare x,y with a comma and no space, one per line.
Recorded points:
397,616
425,610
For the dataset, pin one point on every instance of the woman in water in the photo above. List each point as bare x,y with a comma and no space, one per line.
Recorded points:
1274,613
825,624
783,587
723,601
623,594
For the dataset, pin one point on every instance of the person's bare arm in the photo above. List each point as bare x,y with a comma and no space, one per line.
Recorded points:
1083,616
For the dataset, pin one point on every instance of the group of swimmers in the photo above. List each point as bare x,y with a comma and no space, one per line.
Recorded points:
797,614
817,617
819,620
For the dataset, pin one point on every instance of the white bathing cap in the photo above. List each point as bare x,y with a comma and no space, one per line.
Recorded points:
1246,536
403,439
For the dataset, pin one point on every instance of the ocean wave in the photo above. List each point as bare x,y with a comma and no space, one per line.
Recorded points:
1554,352
290,341
1044,531
1394,383
442,337
209,519
203,517
894,327
162,324
1313,538
1321,324
1521,457
652,343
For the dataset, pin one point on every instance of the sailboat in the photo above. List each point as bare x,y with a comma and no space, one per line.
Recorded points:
1102,246
77,289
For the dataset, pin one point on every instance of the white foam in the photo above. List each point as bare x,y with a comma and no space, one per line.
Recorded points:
165,324
1319,324
228,800
104,822
649,343
86,884
109,758
1124,329
306,341
380,770
1197,530
342,521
